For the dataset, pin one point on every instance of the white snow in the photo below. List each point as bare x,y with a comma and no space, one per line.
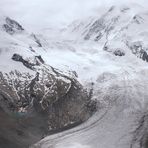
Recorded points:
120,83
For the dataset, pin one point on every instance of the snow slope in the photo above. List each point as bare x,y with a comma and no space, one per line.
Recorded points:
33,94
119,83
122,102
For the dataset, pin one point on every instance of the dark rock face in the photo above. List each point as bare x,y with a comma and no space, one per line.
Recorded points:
37,61
8,29
144,55
36,40
138,49
138,19
17,57
11,26
97,28
66,110
14,24
140,138
18,131
33,106
118,52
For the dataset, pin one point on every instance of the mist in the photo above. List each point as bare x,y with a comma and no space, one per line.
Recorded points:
38,14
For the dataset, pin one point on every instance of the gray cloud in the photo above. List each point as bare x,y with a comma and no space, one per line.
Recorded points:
39,13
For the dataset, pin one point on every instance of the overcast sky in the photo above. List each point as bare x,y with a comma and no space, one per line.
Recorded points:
39,13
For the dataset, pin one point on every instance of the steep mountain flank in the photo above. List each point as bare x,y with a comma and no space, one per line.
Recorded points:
35,98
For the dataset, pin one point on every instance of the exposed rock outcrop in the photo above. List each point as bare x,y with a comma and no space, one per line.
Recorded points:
11,26
139,50
119,52
17,57
36,39
33,106
38,60
140,138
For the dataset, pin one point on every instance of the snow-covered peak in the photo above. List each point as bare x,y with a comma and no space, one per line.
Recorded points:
10,26
118,28
95,26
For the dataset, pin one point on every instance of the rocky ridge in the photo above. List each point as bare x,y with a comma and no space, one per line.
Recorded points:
35,98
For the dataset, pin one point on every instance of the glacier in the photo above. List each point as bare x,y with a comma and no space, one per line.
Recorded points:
108,55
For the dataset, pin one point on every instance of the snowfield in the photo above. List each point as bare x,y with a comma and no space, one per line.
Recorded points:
122,98
119,83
